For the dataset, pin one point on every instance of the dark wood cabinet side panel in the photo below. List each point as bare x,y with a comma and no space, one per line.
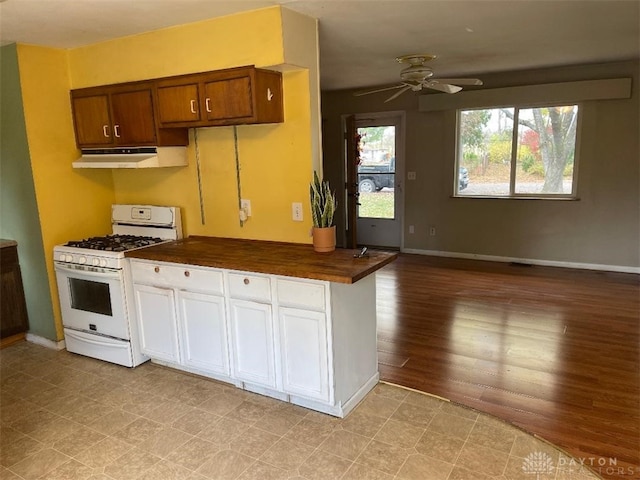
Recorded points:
13,307
269,97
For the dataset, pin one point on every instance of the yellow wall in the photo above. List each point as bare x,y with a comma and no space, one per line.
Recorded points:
276,160
71,203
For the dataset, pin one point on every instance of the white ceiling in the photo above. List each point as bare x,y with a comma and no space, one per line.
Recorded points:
359,39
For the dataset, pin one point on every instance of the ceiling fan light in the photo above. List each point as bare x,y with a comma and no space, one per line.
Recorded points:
417,73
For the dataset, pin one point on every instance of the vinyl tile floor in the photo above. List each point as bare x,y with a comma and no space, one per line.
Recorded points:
65,416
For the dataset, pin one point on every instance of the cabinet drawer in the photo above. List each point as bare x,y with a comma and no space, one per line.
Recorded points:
309,296
178,276
250,287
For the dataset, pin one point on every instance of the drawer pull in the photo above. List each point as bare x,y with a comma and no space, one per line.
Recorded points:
186,273
246,281
157,269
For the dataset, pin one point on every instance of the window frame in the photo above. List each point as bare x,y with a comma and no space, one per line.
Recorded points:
514,154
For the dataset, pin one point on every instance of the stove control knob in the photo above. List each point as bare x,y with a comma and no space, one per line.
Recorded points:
103,263
63,257
69,258
95,262
82,260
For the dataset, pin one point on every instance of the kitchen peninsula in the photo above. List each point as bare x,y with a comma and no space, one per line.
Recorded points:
274,318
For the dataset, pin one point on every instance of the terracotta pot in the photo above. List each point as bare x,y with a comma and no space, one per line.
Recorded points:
324,239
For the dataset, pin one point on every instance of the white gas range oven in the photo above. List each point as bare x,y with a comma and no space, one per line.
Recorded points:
94,282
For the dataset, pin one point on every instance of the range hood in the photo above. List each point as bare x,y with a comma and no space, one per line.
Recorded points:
133,157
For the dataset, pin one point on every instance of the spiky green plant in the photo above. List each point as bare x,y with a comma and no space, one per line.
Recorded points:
323,202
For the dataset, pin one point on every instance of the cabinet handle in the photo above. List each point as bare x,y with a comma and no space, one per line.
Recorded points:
207,103
269,95
115,131
246,281
193,106
157,269
186,273
105,130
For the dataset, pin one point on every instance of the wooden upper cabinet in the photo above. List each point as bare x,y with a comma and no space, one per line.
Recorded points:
159,112
120,115
92,119
178,103
228,98
235,96
133,119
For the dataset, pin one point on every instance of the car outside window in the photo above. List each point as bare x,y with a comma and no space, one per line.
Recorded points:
513,151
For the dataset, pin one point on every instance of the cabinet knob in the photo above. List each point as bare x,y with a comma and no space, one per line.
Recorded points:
157,269
246,281
187,273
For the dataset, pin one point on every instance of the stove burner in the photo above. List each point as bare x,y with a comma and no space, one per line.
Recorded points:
114,243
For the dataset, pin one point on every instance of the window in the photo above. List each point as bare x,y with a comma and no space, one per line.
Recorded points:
517,152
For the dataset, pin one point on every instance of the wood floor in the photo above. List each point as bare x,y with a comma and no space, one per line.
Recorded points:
554,351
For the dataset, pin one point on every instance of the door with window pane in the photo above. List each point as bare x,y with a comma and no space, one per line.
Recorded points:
379,182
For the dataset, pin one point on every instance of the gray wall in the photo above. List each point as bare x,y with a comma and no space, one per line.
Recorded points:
602,227
18,208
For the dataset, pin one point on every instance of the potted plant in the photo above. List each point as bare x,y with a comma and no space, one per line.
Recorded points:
323,207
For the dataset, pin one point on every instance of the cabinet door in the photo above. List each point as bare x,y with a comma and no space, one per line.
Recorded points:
252,339
204,332
228,99
178,103
92,121
133,119
155,308
13,307
303,338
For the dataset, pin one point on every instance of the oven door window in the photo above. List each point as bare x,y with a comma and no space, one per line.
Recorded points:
90,296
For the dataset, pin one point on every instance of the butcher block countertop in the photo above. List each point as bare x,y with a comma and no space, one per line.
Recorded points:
276,258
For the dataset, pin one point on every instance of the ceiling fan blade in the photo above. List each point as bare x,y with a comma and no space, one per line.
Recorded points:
442,87
398,93
460,81
358,94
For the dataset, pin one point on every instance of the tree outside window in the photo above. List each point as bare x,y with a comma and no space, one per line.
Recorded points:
537,159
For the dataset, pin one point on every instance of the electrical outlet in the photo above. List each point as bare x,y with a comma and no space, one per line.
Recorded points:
411,175
296,211
432,231
412,229
246,206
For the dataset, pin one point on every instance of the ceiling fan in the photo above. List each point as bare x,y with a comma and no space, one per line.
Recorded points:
417,76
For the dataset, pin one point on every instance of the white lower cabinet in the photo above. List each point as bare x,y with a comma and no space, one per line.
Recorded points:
204,332
252,340
309,342
155,309
303,345
182,317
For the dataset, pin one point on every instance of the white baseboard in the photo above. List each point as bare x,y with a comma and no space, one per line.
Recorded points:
531,261
45,342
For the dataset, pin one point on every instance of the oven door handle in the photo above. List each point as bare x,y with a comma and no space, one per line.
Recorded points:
104,274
